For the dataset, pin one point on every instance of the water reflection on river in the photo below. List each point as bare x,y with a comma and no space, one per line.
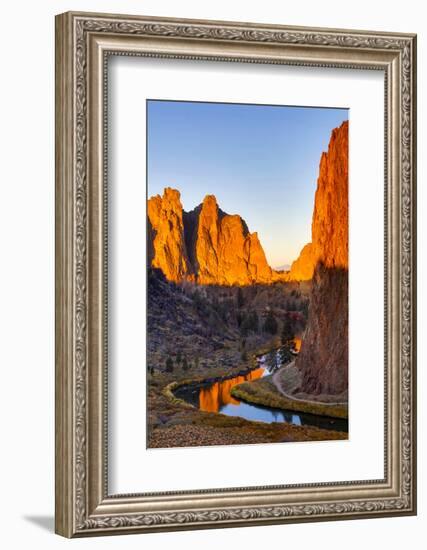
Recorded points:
213,398
216,397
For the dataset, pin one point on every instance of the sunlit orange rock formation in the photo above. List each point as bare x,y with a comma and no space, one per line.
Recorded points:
330,215
226,253
205,245
166,245
303,267
323,358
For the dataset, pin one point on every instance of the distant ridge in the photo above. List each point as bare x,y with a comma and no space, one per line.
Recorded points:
284,267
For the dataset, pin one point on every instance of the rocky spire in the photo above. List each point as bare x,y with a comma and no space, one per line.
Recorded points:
166,244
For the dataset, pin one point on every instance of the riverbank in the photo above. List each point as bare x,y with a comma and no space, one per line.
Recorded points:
197,428
265,393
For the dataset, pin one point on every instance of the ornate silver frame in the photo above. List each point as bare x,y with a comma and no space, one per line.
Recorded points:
83,505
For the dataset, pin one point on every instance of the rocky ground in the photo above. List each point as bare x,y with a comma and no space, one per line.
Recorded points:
189,435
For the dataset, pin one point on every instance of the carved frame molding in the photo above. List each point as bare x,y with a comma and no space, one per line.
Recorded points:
83,43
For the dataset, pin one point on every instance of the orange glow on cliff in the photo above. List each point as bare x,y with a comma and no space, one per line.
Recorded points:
212,398
297,343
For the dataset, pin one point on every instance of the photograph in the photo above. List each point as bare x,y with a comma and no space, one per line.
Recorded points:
247,273
235,272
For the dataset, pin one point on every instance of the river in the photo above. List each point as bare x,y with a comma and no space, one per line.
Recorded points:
216,397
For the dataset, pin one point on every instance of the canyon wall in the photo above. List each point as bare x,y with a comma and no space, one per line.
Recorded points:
323,358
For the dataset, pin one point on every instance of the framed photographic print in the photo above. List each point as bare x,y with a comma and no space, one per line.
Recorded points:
235,274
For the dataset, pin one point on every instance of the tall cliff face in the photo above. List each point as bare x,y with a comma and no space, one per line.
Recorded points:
323,359
206,245
330,215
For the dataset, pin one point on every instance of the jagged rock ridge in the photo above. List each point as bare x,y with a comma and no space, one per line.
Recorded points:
205,245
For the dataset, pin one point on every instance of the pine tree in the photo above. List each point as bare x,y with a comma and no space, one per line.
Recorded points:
169,364
254,321
249,323
287,331
240,299
270,324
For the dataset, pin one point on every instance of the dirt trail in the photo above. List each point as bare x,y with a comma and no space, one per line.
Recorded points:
278,384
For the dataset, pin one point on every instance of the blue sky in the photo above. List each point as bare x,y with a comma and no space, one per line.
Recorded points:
261,162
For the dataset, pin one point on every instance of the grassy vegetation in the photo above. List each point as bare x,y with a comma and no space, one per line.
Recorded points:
168,392
263,392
